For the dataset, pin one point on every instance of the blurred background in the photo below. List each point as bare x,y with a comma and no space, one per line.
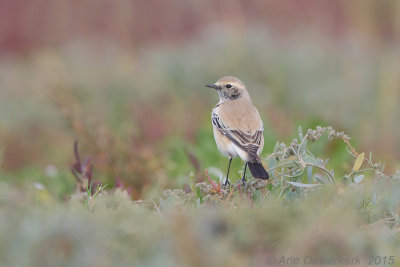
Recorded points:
126,79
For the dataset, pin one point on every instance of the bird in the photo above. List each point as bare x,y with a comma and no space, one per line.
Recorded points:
237,126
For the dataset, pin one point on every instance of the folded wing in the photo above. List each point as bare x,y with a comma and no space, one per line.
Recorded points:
248,142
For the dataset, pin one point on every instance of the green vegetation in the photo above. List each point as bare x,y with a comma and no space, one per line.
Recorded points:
303,211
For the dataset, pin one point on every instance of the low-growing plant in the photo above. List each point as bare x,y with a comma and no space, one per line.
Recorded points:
295,171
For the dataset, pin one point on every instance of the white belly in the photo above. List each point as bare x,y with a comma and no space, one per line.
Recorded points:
227,147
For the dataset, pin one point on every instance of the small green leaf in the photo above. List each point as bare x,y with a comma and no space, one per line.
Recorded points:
303,146
303,185
191,175
310,159
358,162
272,163
309,173
319,180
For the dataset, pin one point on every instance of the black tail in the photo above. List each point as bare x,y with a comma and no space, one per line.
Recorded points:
258,171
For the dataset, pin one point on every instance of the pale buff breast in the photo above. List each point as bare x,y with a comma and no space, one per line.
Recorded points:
240,115
248,120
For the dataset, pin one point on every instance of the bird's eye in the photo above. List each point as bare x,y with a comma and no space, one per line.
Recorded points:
228,86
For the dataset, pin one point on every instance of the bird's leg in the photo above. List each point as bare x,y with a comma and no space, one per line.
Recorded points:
227,174
244,174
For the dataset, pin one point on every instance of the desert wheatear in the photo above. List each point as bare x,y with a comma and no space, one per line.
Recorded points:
238,129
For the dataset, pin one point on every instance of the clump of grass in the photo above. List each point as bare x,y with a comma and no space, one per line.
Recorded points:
83,173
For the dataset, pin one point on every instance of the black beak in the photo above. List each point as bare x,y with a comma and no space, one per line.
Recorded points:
211,85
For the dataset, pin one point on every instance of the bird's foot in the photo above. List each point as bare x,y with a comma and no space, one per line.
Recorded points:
227,182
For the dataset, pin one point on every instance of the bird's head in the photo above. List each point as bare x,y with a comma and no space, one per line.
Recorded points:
229,88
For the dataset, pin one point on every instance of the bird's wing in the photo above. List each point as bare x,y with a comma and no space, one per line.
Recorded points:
248,142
